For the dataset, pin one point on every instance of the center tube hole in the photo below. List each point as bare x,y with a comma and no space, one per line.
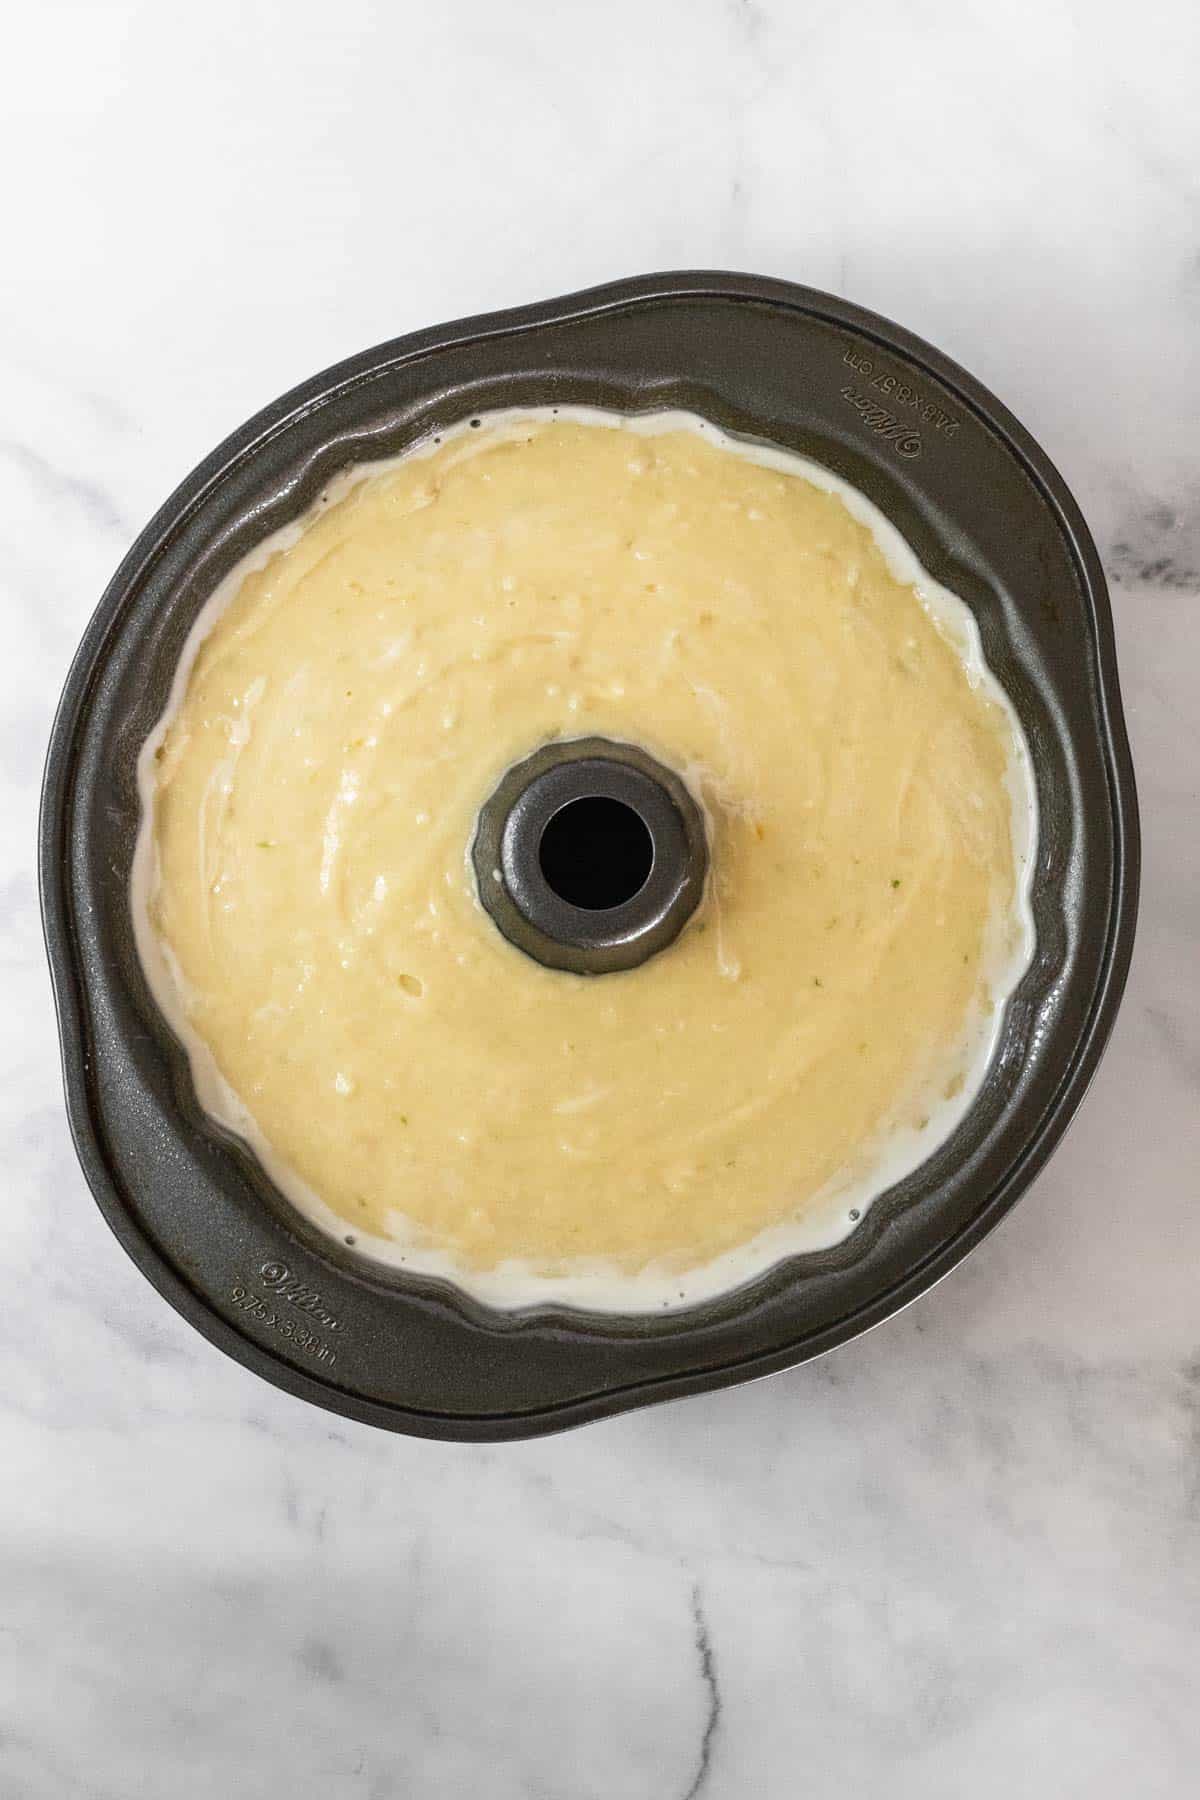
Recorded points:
596,853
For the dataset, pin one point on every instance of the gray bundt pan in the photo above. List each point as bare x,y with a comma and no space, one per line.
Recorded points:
987,515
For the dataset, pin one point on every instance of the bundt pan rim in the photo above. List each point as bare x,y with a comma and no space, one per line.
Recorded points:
987,513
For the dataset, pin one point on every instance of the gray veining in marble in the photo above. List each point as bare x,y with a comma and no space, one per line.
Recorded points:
959,1557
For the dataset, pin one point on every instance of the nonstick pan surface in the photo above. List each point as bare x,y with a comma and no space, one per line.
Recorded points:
986,514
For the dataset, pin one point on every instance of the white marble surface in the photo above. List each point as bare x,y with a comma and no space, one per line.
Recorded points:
960,1557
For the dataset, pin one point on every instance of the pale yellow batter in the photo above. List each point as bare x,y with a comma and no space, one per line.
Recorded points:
309,914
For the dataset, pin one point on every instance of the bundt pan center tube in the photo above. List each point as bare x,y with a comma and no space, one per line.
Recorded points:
590,856
983,511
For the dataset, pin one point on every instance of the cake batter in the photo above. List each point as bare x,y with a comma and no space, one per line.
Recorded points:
308,914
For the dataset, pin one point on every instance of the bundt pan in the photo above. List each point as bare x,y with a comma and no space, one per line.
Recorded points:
987,515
